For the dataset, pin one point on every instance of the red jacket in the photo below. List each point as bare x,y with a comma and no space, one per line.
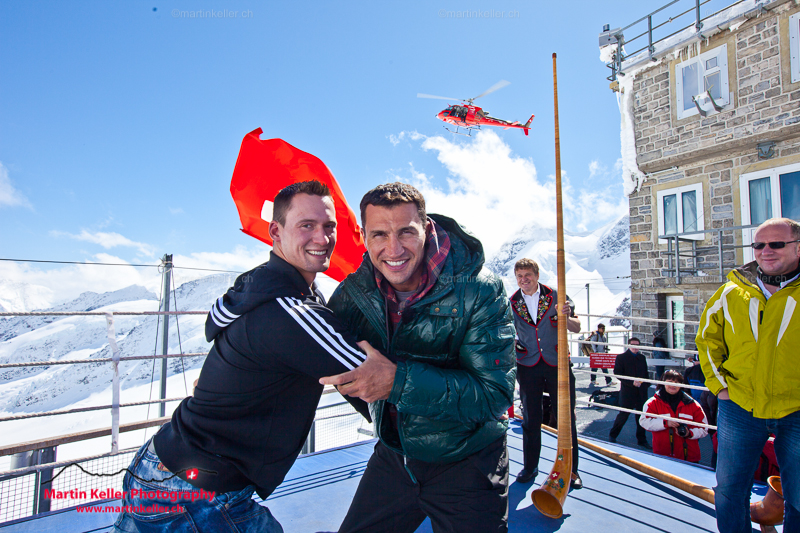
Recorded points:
666,441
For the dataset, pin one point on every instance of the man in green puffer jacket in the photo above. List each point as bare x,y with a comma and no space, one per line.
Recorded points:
438,396
748,343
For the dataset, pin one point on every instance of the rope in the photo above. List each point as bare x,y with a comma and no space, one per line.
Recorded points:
643,380
83,409
640,346
642,319
36,468
102,360
652,415
101,313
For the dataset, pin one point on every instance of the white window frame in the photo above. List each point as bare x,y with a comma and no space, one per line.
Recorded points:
721,53
744,194
671,326
678,191
794,47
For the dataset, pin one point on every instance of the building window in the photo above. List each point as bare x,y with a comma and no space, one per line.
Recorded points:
676,332
765,194
794,46
680,210
702,77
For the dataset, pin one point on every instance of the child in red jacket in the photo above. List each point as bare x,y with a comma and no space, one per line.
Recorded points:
672,438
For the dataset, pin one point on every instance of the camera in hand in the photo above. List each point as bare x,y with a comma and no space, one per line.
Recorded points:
683,431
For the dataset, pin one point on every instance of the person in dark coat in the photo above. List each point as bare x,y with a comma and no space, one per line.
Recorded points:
633,392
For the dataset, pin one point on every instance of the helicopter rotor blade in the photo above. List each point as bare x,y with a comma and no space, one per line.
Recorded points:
499,85
421,95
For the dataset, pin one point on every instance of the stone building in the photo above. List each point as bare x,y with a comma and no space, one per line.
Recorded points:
714,114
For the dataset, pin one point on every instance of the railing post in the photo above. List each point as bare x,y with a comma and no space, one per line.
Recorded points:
694,257
650,48
698,25
167,259
112,344
310,445
45,475
669,254
677,261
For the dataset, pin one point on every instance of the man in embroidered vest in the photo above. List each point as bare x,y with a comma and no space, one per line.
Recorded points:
536,320
748,344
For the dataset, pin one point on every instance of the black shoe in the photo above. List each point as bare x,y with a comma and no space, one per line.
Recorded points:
577,483
526,475
645,444
612,440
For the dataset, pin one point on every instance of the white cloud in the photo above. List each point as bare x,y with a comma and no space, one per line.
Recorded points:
595,167
9,196
108,240
176,210
410,135
494,193
67,282
488,189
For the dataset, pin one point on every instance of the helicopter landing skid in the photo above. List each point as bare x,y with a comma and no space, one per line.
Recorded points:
469,130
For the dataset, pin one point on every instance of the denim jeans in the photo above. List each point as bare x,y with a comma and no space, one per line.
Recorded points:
231,511
741,438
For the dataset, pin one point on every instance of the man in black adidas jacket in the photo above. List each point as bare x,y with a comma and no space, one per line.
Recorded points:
258,390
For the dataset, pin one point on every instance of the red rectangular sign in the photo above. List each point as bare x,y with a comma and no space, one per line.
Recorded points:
602,360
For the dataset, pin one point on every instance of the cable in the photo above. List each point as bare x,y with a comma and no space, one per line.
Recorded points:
116,264
178,327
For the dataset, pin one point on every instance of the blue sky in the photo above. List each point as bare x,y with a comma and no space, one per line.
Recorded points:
120,122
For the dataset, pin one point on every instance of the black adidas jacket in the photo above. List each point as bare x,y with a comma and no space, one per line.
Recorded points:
259,387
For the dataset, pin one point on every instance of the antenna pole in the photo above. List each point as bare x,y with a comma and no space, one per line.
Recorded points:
167,260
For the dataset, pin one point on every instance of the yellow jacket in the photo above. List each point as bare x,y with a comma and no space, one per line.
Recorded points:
751,345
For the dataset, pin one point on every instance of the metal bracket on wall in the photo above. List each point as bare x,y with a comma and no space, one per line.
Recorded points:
766,150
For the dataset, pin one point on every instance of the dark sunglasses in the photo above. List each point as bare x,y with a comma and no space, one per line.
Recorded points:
777,245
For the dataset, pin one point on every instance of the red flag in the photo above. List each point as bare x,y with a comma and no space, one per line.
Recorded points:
263,168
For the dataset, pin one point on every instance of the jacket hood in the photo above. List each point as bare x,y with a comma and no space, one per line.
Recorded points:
746,273
266,282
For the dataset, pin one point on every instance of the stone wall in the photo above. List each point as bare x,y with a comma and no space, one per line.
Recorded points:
765,105
714,151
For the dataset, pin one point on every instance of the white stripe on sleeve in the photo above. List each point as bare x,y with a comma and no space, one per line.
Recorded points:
314,331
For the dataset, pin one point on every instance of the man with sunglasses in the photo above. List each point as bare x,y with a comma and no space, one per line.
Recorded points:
748,342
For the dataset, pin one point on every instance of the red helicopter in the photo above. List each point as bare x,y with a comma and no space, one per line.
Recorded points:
469,117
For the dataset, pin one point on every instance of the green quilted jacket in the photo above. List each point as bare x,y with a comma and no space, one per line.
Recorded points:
454,351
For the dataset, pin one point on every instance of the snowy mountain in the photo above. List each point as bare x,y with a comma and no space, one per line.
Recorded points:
600,258
18,297
84,337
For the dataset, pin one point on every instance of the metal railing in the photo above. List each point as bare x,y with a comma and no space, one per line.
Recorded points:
23,490
689,21
674,252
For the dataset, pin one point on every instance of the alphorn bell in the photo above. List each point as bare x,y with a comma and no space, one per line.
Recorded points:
769,511
549,498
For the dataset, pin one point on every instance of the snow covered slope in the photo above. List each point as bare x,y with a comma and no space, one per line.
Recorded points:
600,258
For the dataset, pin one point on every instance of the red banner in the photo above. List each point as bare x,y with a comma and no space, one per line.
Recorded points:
263,168
602,360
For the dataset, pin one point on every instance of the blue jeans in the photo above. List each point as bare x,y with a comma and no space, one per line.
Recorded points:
741,437
209,512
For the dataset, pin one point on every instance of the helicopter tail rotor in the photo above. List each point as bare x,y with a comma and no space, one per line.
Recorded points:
527,125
